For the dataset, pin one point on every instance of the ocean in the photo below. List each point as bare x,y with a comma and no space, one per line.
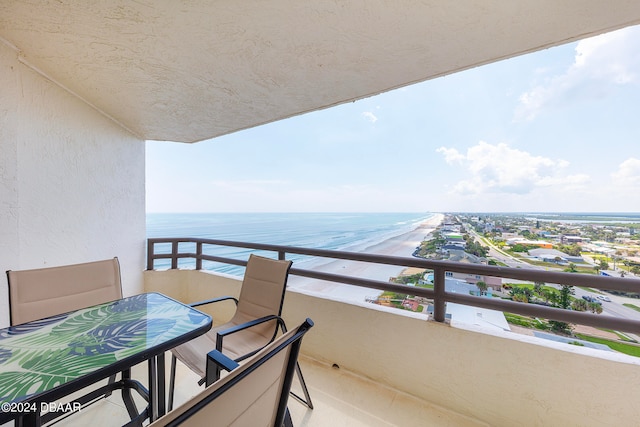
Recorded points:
335,231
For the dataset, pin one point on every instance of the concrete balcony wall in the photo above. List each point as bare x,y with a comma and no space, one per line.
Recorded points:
71,180
500,379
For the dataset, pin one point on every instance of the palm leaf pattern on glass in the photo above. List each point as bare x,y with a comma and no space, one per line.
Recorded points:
40,355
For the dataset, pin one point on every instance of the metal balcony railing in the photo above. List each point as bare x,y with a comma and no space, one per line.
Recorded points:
439,294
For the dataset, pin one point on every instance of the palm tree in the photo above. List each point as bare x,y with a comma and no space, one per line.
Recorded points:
594,307
579,305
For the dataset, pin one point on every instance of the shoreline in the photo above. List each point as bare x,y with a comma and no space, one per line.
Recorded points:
401,245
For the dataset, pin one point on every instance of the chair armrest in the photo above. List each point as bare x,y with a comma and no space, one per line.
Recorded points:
225,362
216,361
209,301
232,330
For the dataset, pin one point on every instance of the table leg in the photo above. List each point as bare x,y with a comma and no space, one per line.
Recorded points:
126,395
162,407
157,389
153,389
28,420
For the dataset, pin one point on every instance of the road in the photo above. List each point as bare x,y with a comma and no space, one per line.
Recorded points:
614,308
498,254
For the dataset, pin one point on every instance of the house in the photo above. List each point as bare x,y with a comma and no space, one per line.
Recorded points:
454,277
571,239
85,85
553,255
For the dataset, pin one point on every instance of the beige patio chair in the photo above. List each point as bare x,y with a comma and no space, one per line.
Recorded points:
253,394
35,294
254,324
45,292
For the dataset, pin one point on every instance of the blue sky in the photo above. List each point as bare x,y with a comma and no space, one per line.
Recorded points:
556,130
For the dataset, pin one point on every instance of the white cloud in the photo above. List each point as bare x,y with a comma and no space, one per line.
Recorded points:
628,173
370,116
601,63
501,169
451,155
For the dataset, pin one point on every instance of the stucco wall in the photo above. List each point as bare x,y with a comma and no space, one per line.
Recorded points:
502,379
71,181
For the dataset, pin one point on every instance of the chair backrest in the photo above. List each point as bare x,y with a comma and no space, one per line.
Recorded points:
253,394
35,294
263,289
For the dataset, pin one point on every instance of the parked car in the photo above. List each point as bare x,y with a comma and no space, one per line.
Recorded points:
604,298
589,298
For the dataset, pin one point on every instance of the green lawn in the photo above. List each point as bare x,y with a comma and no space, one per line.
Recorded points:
631,350
531,286
526,322
631,306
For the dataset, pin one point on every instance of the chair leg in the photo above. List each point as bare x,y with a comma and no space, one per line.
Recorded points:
305,390
307,396
172,381
287,422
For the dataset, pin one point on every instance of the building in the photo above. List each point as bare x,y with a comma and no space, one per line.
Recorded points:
553,255
454,277
572,239
86,84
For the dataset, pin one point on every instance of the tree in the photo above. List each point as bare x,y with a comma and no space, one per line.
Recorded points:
520,294
594,307
537,287
604,265
579,305
519,247
561,327
572,268
564,301
565,296
483,287
549,296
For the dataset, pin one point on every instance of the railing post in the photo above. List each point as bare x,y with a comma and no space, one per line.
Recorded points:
199,256
150,249
439,305
281,255
174,255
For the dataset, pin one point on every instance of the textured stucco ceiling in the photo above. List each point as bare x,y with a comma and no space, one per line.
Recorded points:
195,69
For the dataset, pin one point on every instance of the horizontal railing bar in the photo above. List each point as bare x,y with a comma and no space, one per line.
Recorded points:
599,282
553,313
438,294
482,302
365,283
224,260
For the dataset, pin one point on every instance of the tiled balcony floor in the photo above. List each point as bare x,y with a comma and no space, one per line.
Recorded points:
340,398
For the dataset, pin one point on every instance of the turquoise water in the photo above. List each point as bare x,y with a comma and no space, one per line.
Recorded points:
336,231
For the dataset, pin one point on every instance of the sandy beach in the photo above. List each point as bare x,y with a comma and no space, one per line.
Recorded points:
402,245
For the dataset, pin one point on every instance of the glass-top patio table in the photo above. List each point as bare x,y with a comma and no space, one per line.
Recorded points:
44,360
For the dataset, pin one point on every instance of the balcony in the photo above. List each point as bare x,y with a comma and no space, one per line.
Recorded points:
372,365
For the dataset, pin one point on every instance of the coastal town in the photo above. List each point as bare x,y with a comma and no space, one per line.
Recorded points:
606,246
